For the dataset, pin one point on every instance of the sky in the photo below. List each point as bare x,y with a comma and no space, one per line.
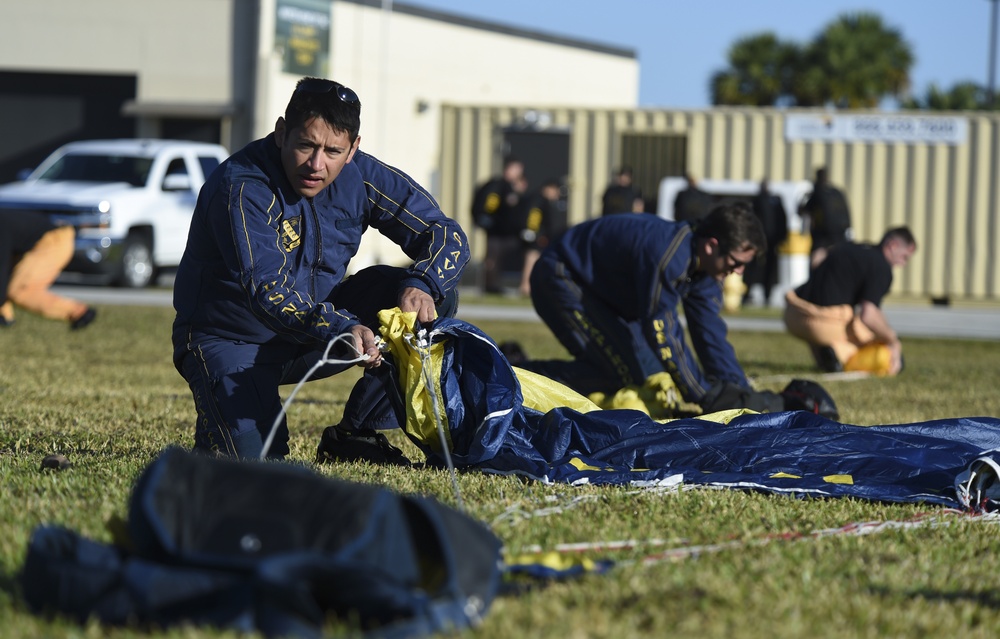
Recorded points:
681,43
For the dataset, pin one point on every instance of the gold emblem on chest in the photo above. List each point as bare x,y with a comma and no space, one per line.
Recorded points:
290,238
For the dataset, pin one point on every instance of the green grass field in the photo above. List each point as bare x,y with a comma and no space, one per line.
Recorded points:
109,399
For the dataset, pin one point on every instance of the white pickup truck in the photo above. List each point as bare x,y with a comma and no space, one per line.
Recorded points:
130,200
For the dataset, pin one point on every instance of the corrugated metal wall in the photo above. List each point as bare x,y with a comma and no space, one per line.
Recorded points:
949,195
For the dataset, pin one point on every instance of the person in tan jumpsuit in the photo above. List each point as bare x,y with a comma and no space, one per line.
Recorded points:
33,252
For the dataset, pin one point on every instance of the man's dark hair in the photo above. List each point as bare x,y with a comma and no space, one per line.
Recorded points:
735,226
339,113
899,233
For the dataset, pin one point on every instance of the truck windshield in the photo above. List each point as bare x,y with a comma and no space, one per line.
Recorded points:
100,168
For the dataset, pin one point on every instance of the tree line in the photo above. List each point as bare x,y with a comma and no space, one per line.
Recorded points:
855,62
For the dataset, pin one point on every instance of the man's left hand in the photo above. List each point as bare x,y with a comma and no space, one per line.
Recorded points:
415,300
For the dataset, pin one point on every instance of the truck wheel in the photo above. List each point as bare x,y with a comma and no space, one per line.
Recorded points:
136,268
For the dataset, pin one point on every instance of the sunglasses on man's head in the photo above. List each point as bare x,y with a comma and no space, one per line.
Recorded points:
317,85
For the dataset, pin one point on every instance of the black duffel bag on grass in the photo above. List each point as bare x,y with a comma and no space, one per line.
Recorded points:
273,548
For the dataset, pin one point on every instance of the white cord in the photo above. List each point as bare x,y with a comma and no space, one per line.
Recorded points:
421,343
325,359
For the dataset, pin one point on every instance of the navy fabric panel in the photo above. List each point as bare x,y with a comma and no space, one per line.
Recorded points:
300,549
787,452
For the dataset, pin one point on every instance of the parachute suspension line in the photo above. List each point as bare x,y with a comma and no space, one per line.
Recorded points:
685,550
422,344
943,518
515,513
348,339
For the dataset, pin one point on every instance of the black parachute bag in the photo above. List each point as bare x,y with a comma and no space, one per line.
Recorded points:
274,548
807,395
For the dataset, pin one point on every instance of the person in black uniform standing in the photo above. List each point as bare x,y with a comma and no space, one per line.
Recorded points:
691,204
829,217
771,212
622,196
544,219
494,209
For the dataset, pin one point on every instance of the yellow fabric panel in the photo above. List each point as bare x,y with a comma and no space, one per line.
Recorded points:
421,422
726,416
579,464
553,560
839,479
544,394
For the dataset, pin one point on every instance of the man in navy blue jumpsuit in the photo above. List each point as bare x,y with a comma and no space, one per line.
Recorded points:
609,290
261,289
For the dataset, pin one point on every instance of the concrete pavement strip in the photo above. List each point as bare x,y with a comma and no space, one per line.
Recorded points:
908,320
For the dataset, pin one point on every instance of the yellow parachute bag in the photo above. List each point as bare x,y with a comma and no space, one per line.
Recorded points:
873,358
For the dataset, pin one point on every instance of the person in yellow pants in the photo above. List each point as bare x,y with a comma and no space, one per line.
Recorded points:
838,310
33,252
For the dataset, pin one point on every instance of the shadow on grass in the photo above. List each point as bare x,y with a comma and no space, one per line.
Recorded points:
985,598
11,586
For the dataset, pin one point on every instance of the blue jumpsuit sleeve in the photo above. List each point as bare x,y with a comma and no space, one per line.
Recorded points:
407,214
255,253
703,308
666,334
665,291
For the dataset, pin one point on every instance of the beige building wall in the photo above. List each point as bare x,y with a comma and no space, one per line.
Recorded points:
405,67
217,58
184,54
180,50
948,194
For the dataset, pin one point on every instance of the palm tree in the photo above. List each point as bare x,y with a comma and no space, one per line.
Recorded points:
759,74
963,96
854,63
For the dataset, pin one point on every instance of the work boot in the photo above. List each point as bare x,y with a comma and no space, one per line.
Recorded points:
826,359
6,314
513,352
366,444
84,320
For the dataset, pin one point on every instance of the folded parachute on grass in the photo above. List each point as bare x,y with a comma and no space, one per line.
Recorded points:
272,548
499,419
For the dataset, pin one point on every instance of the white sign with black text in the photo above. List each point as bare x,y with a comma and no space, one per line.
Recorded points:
911,129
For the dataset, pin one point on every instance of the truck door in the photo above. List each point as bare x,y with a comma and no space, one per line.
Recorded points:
179,188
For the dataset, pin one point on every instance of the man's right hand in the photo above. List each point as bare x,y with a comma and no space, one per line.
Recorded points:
364,342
